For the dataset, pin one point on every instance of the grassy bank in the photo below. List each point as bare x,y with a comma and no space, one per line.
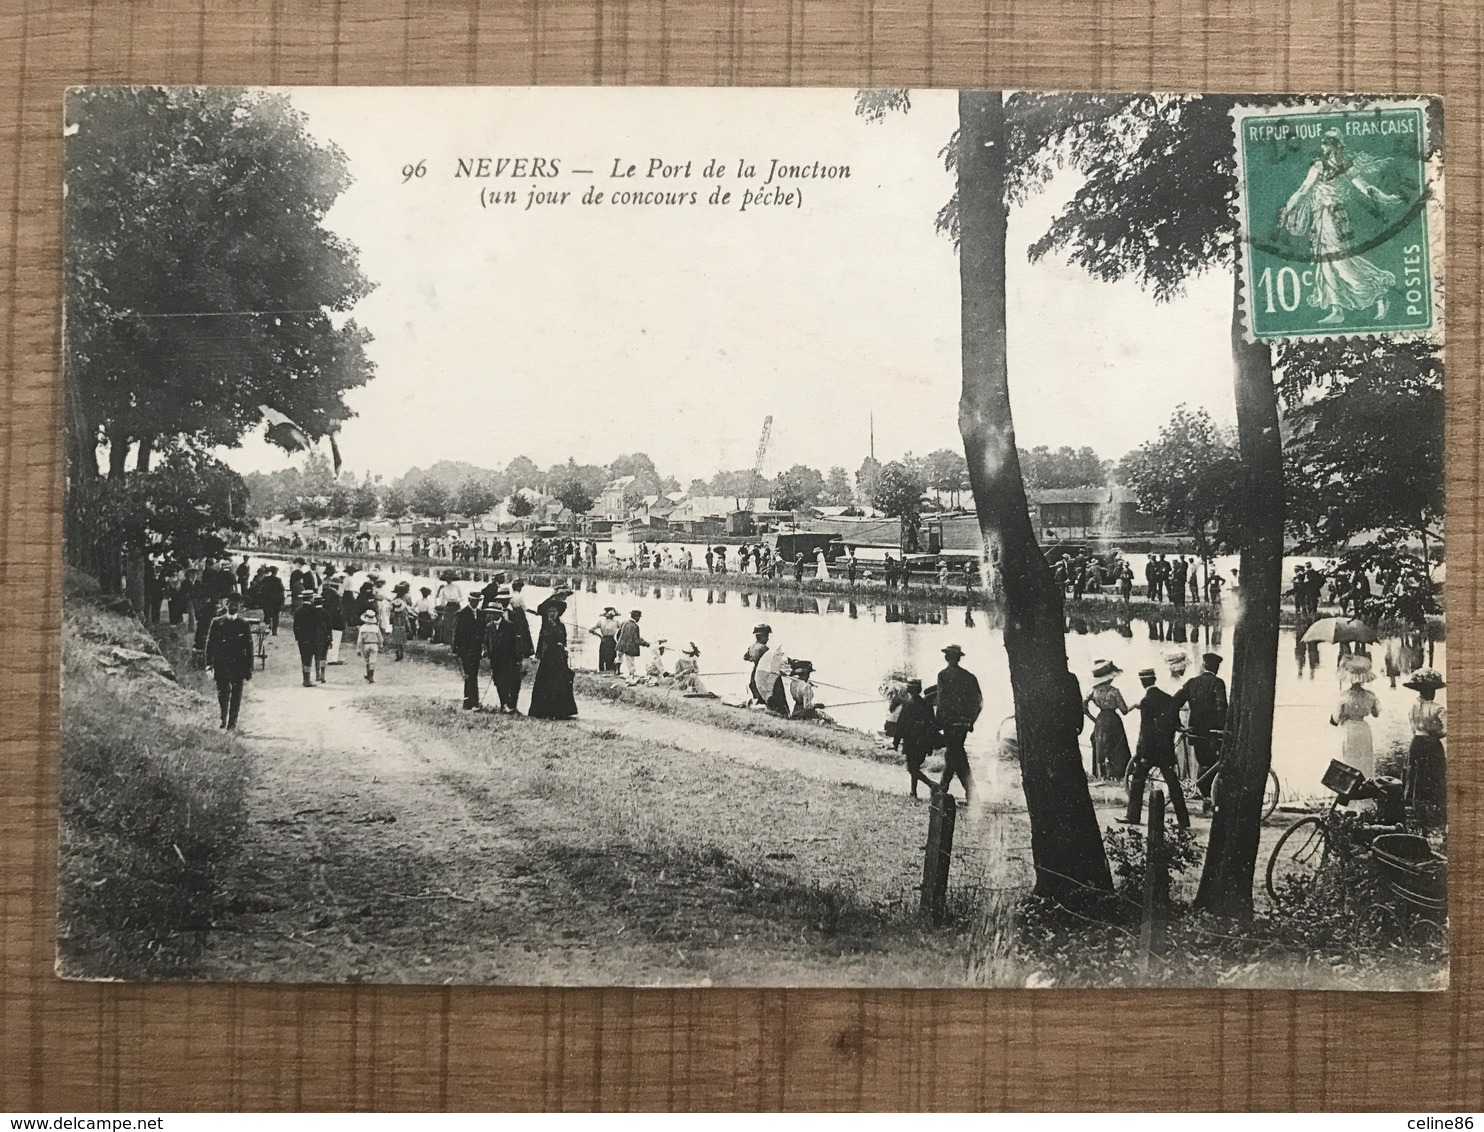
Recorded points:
151,802
666,701
637,841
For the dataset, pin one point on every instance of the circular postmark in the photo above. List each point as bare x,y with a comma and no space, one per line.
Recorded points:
1333,208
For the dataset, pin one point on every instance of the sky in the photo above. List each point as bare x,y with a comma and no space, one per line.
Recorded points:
593,330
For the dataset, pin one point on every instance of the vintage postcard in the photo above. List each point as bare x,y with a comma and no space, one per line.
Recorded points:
754,537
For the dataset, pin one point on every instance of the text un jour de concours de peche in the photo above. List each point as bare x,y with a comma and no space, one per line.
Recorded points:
744,184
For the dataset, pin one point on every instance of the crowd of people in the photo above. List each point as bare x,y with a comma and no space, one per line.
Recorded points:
757,559
1197,710
1176,580
490,622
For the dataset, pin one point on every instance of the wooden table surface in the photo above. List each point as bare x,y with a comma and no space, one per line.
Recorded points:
70,1046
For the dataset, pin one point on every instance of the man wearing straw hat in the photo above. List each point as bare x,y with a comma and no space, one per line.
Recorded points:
629,643
959,704
507,648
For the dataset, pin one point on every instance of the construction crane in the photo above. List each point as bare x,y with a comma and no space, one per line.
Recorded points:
757,463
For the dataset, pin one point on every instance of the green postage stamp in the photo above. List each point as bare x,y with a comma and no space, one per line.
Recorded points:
1337,203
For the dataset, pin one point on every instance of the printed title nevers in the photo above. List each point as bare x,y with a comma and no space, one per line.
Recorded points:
655,168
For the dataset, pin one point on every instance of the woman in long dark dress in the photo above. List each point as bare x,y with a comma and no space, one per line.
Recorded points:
551,693
1110,753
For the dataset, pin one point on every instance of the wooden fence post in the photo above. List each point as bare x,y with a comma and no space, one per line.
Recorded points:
1156,884
942,812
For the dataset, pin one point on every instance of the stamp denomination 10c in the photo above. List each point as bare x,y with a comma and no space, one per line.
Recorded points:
1333,206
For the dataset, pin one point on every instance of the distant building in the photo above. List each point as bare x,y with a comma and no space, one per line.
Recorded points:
610,504
702,515
1078,514
1089,513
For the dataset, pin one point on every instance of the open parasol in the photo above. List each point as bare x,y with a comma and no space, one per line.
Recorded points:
1335,629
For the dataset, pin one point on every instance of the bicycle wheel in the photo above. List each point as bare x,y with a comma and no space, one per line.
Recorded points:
1377,922
1429,934
1300,858
1271,795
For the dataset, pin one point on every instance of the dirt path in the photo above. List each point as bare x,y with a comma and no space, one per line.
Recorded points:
395,838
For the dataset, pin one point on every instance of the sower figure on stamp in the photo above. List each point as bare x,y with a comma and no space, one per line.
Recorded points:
1158,720
1320,210
959,704
229,654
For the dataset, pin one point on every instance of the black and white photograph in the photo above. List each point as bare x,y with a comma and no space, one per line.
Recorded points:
753,537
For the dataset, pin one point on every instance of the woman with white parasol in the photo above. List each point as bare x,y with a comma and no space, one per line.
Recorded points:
1357,706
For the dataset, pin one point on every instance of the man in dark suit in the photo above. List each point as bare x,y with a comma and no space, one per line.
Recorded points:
1158,719
229,654
1206,695
506,648
959,704
1178,570
468,646
271,594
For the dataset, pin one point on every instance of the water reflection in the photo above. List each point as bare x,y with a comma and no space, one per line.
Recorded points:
854,644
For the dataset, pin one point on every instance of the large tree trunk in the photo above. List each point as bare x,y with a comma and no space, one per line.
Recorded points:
1066,842
1231,854
146,450
118,454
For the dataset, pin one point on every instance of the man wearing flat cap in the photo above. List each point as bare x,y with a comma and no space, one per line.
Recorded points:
959,705
1206,695
1158,720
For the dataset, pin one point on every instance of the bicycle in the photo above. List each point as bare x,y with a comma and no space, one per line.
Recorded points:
1272,789
1323,852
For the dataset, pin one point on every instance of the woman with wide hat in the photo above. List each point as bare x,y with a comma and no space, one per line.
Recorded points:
688,671
1110,751
551,692
1427,765
1352,715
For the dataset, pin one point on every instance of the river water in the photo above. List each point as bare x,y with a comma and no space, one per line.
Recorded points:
855,645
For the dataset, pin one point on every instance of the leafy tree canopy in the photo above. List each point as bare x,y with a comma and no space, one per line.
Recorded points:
200,279
866,477
1066,467
898,491
1185,478
475,498
364,502
431,499
522,472
574,495
837,490
394,503
797,488
1365,446
519,505
946,471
